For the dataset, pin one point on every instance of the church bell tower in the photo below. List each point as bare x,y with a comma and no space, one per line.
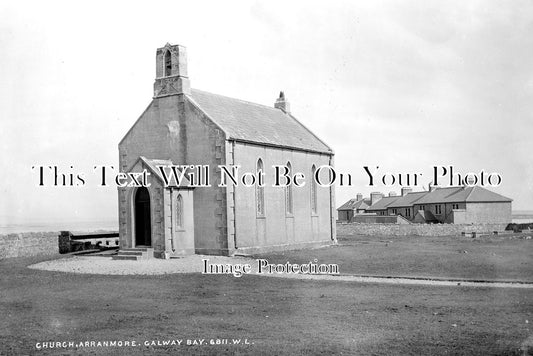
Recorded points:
171,71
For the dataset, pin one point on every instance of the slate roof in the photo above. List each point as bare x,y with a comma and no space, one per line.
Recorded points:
438,196
407,200
250,122
383,203
461,195
353,204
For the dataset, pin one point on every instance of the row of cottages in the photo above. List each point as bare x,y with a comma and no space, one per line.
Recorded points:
456,205
184,126
352,207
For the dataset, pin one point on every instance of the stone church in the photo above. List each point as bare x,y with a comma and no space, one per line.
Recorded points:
184,126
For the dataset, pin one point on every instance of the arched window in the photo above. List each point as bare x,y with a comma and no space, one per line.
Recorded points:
288,192
168,63
313,190
179,212
260,192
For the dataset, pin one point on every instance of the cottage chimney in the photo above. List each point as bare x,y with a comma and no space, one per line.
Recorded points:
282,103
171,71
432,188
374,197
359,197
392,194
406,190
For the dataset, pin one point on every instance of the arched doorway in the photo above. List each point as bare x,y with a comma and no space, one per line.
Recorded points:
143,226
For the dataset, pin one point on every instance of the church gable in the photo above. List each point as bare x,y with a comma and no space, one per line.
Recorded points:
158,133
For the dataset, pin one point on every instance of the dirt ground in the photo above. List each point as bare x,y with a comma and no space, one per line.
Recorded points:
277,315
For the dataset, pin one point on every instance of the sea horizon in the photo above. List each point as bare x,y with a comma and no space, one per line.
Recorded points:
518,217
73,226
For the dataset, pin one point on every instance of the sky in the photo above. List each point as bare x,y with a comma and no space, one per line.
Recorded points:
403,85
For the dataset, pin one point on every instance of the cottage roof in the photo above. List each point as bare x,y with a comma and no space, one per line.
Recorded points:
462,195
407,200
383,203
353,204
255,123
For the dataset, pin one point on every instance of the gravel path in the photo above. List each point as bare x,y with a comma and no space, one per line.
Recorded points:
153,266
194,264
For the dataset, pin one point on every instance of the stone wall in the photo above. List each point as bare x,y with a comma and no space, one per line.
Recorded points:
415,229
28,244
379,219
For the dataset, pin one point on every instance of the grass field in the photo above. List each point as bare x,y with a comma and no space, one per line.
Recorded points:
494,258
282,316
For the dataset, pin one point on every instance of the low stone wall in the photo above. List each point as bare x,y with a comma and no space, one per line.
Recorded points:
379,219
28,244
415,229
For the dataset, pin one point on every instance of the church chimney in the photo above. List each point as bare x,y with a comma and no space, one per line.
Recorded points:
171,71
359,197
282,104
